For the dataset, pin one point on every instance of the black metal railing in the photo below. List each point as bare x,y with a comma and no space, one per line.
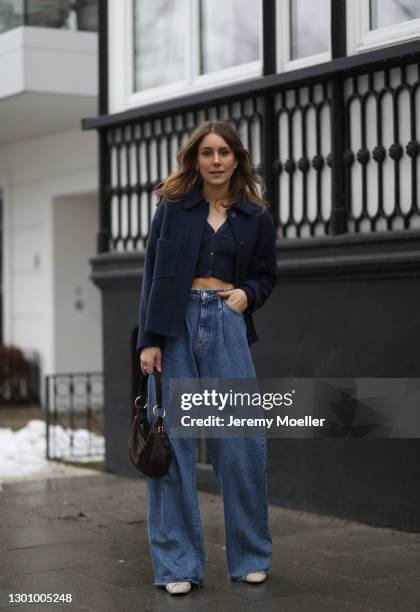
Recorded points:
140,154
381,156
338,145
74,416
58,14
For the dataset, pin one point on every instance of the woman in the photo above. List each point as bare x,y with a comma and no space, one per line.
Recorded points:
210,262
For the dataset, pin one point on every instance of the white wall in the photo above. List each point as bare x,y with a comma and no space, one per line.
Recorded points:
33,174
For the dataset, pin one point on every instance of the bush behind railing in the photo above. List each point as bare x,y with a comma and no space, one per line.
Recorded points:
19,376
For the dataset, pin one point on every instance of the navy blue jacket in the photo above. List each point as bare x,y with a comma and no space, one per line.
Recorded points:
171,258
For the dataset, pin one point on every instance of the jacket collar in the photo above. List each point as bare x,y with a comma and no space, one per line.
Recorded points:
195,197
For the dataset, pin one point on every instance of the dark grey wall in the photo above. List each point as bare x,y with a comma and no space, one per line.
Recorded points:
345,307
345,328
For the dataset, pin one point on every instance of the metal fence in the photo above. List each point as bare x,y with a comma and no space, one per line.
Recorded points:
74,416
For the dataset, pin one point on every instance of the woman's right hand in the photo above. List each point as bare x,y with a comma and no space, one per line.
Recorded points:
151,356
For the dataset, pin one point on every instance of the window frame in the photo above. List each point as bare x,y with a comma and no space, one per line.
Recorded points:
121,61
361,38
283,38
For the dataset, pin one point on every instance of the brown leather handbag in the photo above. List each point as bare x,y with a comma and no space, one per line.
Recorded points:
149,446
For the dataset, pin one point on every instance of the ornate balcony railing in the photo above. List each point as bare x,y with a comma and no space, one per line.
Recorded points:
337,144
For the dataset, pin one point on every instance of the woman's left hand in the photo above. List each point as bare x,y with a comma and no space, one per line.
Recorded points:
236,298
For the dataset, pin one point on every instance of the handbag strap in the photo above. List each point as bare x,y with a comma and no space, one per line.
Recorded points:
143,394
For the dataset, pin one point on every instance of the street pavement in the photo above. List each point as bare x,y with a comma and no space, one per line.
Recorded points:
87,537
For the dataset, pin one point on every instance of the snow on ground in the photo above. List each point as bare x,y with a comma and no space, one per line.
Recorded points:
23,452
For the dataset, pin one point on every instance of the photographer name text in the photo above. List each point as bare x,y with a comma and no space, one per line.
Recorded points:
279,421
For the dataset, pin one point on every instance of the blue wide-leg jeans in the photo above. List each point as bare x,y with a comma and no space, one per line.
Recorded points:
214,345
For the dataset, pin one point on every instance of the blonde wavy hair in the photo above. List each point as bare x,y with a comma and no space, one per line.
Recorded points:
244,182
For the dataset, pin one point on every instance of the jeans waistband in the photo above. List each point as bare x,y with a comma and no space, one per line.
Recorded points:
205,294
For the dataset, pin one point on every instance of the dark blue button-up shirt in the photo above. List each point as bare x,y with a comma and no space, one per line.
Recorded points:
217,253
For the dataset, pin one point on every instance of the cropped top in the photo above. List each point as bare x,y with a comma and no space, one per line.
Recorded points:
216,256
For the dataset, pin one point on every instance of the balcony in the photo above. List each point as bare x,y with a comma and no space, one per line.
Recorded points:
48,67
79,15
338,145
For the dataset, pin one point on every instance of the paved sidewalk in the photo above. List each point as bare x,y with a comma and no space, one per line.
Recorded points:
87,536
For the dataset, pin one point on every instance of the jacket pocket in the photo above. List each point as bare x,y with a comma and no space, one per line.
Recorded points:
167,253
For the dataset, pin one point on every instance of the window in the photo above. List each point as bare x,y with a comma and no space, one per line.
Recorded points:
158,54
384,13
174,46
229,35
310,28
377,23
167,48
303,33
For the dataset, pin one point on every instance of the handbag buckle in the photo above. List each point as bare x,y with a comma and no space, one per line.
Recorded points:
154,409
137,402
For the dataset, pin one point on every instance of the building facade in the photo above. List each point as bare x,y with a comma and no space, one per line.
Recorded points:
326,96
48,184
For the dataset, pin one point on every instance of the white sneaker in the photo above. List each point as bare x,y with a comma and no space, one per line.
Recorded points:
178,588
255,577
